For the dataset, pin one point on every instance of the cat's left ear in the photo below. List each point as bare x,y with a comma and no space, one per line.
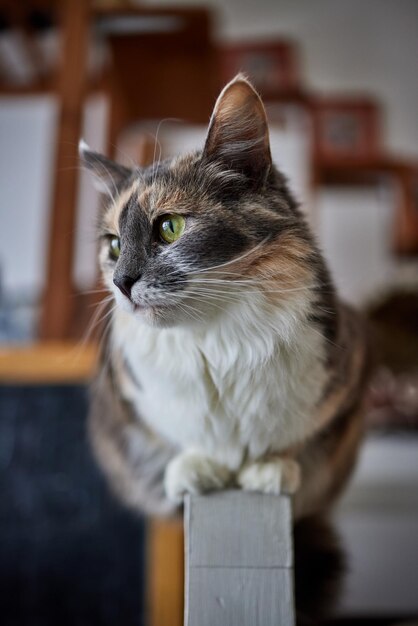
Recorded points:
107,174
238,131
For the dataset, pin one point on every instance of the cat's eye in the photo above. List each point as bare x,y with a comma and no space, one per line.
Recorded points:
114,247
171,227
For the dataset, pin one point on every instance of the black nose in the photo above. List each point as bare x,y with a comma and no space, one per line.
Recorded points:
125,284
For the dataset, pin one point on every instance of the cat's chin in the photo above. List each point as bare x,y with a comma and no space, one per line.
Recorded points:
161,316
155,316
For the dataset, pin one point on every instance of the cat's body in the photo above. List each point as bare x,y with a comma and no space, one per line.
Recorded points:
230,360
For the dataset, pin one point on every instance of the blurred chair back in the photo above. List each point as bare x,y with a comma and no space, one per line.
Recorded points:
164,65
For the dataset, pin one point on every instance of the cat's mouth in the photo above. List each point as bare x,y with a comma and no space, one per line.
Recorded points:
146,309
156,314
154,309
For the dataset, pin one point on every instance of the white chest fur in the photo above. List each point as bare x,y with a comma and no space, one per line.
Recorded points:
235,391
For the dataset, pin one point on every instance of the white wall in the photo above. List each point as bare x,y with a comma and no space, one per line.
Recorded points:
27,132
27,149
94,133
354,227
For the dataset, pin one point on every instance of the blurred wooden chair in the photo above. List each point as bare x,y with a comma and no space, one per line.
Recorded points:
168,73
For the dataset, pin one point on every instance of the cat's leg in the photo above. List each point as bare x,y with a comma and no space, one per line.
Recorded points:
274,475
132,456
193,472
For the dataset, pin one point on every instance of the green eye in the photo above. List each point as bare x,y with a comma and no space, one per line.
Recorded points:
114,247
172,227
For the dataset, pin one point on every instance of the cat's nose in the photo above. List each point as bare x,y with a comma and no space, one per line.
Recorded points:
125,284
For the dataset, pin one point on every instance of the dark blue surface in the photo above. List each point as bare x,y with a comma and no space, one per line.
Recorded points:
69,553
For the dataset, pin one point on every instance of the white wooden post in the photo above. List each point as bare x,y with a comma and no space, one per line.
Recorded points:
239,560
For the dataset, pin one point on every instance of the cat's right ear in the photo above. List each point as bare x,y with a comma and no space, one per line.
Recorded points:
107,174
238,134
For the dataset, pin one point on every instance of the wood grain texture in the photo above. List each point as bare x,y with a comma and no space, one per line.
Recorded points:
239,560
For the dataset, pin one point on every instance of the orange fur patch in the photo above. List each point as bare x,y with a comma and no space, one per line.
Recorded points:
281,266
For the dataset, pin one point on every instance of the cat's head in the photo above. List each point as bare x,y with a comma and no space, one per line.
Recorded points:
181,241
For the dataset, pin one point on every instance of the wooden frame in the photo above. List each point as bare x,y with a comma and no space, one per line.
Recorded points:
165,566
406,216
346,130
59,301
271,66
177,76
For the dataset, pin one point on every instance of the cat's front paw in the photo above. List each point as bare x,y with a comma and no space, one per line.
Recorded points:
192,472
276,476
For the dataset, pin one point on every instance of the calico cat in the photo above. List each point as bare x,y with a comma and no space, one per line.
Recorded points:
230,361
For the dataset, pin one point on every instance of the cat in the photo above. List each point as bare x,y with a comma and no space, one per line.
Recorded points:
230,361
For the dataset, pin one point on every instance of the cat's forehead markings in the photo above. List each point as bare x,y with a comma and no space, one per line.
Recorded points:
170,202
114,212
144,198
159,200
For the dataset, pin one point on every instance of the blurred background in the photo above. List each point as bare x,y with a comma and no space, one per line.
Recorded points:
138,81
